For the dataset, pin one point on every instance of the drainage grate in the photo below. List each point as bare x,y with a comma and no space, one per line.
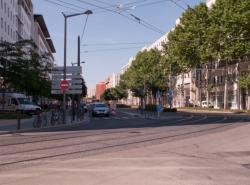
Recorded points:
246,165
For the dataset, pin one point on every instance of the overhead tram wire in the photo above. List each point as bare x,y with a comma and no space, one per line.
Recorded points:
126,16
141,20
145,24
61,5
137,19
73,5
176,3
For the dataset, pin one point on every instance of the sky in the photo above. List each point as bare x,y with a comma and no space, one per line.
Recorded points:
110,38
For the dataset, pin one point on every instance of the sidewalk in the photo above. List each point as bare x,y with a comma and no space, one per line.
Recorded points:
210,111
11,125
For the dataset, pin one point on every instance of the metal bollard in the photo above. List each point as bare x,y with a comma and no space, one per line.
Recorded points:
18,121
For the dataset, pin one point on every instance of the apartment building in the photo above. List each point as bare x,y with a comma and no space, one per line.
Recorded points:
25,19
100,89
42,38
18,22
112,80
158,44
91,93
8,20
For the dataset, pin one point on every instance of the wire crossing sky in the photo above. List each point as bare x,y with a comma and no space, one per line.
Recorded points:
116,30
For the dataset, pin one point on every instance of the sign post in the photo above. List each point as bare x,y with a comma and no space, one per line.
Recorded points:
159,107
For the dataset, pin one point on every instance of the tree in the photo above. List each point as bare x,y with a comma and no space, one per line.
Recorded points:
24,69
146,74
229,34
187,46
84,88
114,93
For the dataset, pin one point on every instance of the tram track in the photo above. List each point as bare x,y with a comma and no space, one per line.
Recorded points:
157,138
56,137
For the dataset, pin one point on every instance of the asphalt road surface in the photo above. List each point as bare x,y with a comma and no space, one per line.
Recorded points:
177,148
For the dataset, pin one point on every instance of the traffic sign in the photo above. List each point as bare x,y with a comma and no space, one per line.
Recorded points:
69,69
64,84
68,76
66,92
72,86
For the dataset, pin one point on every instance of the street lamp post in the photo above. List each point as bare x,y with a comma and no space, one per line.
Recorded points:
88,12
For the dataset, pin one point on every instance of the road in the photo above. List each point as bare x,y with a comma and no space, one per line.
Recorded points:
178,148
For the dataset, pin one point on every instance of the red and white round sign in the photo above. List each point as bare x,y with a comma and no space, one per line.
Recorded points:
64,84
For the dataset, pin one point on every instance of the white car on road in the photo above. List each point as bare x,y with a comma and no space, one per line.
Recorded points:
100,109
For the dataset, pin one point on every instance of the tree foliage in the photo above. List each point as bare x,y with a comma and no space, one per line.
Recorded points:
187,46
145,74
84,88
23,69
114,93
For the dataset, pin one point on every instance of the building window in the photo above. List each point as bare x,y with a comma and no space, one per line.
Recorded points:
2,4
4,7
8,30
8,12
5,27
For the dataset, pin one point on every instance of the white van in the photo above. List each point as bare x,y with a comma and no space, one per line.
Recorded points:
14,102
204,104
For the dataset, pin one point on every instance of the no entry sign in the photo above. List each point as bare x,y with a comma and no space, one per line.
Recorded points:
64,85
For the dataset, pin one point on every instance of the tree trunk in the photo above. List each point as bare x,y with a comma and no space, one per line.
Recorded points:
182,91
238,94
248,100
207,90
226,89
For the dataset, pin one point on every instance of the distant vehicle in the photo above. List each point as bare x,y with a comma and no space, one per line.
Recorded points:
204,104
14,102
100,109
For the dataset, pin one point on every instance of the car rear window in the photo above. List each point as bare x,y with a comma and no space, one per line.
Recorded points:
100,105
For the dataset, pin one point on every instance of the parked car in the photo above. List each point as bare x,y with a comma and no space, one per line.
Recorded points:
100,109
204,104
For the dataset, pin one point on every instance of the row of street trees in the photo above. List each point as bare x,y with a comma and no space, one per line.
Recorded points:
203,35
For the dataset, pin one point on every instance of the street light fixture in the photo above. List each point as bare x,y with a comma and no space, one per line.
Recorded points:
87,12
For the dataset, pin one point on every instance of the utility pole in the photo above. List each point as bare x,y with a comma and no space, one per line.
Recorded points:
78,64
64,66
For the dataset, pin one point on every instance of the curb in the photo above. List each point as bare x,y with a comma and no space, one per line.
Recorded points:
43,128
